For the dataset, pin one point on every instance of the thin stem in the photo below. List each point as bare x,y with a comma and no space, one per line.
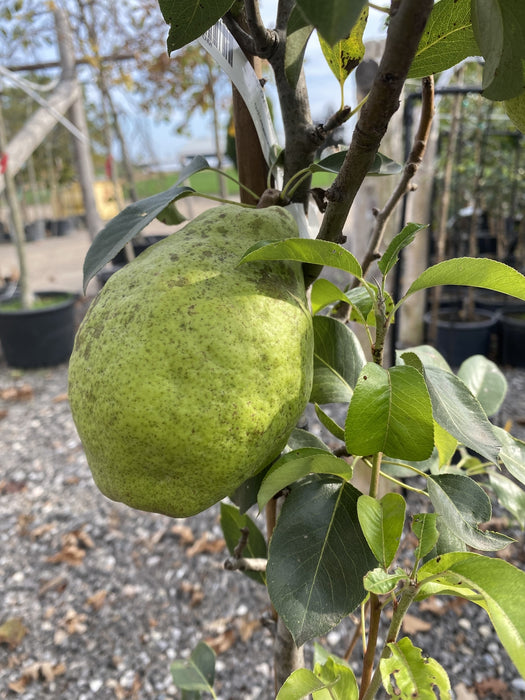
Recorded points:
407,597
373,632
384,475
355,638
237,182
298,179
376,473
221,200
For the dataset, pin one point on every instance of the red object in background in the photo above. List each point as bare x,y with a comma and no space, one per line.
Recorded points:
109,166
3,163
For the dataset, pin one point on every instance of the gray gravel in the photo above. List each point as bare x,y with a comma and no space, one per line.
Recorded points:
110,596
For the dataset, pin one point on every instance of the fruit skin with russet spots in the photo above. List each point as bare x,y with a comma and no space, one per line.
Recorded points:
190,371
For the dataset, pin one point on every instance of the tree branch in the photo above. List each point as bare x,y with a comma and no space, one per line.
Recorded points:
264,39
408,20
411,166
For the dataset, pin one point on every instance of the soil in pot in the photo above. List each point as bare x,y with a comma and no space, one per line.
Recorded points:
41,336
458,339
512,338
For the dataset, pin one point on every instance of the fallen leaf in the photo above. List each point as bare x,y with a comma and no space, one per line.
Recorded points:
97,600
493,688
74,545
223,642
60,397
205,544
17,393
463,693
413,624
433,605
3,413
39,671
247,627
184,533
9,487
58,583
12,632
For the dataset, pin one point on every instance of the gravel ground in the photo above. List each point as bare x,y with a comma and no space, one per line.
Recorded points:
106,597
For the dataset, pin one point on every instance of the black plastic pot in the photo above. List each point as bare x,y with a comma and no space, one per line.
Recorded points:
40,337
456,339
512,338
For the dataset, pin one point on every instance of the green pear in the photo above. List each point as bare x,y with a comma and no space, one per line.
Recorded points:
190,371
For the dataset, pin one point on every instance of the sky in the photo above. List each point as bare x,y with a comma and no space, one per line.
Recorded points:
159,145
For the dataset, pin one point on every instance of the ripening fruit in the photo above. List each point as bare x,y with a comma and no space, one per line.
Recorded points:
190,371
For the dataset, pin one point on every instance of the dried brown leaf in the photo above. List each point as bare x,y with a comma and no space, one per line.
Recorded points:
17,393
97,600
184,533
206,545
223,641
413,624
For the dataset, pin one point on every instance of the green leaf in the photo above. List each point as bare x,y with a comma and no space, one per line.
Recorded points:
400,241
472,272
125,226
302,438
338,359
188,19
509,495
382,524
196,673
345,55
329,423
382,165
306,250
460,413
171,216
299,684
390,412
323,293
512,454
463,504
428,356
447,40
499,588
499,28
446,444
424,528
231,523
318,557
333,19
485,380
413,676
298,33
293,466
339,679
245,496
380,582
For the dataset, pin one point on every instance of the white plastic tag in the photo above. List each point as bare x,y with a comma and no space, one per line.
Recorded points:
224,49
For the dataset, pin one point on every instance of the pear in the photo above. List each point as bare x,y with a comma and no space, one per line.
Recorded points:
190,371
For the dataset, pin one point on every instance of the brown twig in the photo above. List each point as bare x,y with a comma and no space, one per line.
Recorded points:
411,167
408,20
368,661
246,564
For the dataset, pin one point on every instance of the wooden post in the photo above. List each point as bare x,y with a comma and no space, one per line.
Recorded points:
16,221
83,159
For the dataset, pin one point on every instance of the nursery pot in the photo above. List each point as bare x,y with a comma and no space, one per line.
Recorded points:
38,337
457,339
512,338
